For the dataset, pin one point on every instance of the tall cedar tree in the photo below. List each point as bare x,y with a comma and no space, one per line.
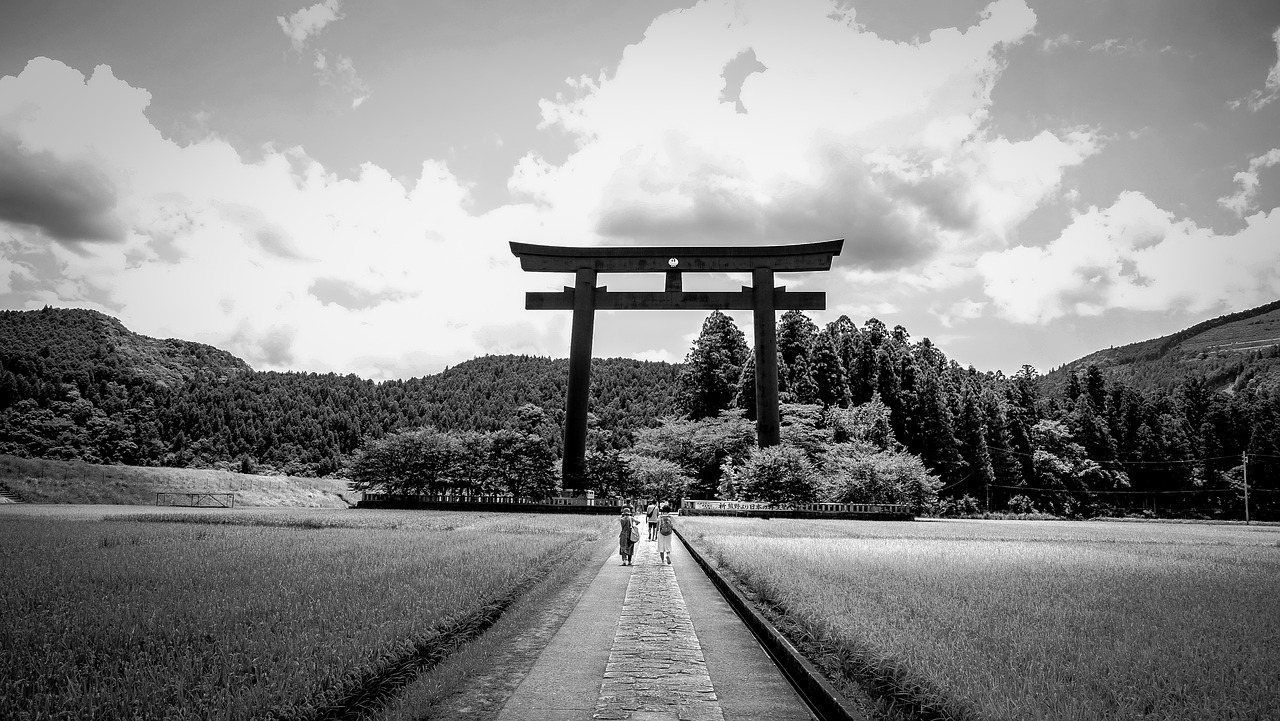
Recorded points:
828,371
801,385
709,380
845,338
796,333
890,390
935,440
745,398
974,449
1005,465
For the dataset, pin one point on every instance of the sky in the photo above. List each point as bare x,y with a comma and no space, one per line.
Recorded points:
332,186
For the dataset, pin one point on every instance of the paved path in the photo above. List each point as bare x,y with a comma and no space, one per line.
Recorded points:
649,642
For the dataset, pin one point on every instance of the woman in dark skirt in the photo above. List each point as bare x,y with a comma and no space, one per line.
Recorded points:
626,537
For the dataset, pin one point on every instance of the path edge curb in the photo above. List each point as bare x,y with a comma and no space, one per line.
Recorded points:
821,696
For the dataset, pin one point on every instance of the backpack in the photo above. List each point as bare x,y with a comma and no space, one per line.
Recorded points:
665,525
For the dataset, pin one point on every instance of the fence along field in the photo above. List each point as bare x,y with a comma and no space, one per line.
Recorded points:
1025,619
237,614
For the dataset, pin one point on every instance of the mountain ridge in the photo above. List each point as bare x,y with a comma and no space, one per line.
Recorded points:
1228,351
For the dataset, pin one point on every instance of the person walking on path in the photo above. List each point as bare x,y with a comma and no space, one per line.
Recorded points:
628,534
666,527
651,515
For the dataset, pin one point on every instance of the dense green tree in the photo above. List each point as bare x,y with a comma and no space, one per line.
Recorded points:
1006,465
780,475
660,480
856,473
867,423
796,334
802,387
935,440
845,338
522,463
701,448
1092,431
745,397
889,388
713,368
610,475
408,462
805,426
971,432
831,382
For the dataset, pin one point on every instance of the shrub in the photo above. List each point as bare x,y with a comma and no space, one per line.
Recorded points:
658,478
1021,504
781,475
857,473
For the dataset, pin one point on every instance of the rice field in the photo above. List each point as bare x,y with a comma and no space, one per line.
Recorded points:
261,613
1025,619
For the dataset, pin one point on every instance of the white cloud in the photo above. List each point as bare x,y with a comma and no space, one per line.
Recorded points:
965,309
659,355
1242,201
340,75
336,72
1259,99
845,134
1135,256
306,23
849,135
278,261
1119,46
1064,40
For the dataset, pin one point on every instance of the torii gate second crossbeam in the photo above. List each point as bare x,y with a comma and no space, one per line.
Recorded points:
585,298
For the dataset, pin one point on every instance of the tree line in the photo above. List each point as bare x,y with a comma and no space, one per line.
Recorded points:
868,412
997,442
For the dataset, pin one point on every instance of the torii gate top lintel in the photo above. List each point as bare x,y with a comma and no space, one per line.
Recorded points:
797,257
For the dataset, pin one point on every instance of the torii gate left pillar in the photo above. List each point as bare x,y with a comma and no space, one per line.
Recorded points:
585,297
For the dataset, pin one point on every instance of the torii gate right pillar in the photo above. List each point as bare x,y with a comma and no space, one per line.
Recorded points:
768,422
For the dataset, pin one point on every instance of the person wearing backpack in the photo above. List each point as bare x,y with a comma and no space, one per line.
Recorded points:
666,527
651,515
628,535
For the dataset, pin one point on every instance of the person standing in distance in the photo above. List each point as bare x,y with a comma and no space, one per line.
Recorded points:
666,528
651,515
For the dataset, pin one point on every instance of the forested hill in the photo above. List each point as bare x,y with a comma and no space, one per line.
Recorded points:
70,343
77,384
1228,352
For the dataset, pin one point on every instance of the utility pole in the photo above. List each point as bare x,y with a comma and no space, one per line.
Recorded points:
1245,456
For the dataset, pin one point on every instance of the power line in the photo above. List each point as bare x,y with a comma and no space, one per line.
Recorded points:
1193,461
1137,493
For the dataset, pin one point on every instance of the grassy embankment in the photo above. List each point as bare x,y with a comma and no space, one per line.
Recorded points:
44,481
235,614
1024,620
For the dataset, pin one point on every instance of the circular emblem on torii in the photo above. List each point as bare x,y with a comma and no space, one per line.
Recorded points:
673,262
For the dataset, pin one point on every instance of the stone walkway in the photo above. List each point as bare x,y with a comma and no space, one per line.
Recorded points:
656,669
652,642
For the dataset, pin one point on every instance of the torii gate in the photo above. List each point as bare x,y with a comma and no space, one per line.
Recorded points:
762,298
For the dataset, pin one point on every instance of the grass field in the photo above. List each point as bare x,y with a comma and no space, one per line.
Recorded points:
44,481
238,614
1026,619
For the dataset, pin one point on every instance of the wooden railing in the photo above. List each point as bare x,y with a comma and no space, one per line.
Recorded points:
478,499
694,506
